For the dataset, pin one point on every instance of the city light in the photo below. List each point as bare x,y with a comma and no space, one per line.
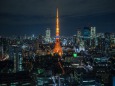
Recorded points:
75,55
44,46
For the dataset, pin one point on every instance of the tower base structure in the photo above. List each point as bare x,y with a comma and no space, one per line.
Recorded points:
57,48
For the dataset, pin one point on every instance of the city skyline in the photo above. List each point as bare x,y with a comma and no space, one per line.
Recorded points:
58,43
33,17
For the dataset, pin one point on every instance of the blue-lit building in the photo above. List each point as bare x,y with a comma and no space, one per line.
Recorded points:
86,36
86,32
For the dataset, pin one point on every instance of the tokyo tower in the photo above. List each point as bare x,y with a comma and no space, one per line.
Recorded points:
57,48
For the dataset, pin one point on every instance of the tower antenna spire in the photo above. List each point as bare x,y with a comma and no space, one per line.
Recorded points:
57,12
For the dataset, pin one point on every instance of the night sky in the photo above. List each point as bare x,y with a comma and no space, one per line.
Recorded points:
20,17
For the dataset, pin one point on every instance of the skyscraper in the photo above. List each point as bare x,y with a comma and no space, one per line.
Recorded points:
78,33
78,36
57,48
48,35
86,37
86,32
93,32
93,39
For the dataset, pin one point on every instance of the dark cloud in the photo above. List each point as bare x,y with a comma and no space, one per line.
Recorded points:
24,14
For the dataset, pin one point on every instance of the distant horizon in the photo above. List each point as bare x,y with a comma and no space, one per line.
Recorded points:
52,35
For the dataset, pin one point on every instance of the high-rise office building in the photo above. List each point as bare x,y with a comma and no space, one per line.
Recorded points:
48,36
107,40
86,32
78,33
81,46
78,36
15,63
93,40
74,39
86,37
93,32
20,60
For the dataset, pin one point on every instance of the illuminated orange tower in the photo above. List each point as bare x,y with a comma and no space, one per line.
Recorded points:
57,48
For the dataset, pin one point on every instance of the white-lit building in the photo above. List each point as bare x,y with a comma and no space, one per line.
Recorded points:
93,40
93,32
81,46
78,35
48,36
